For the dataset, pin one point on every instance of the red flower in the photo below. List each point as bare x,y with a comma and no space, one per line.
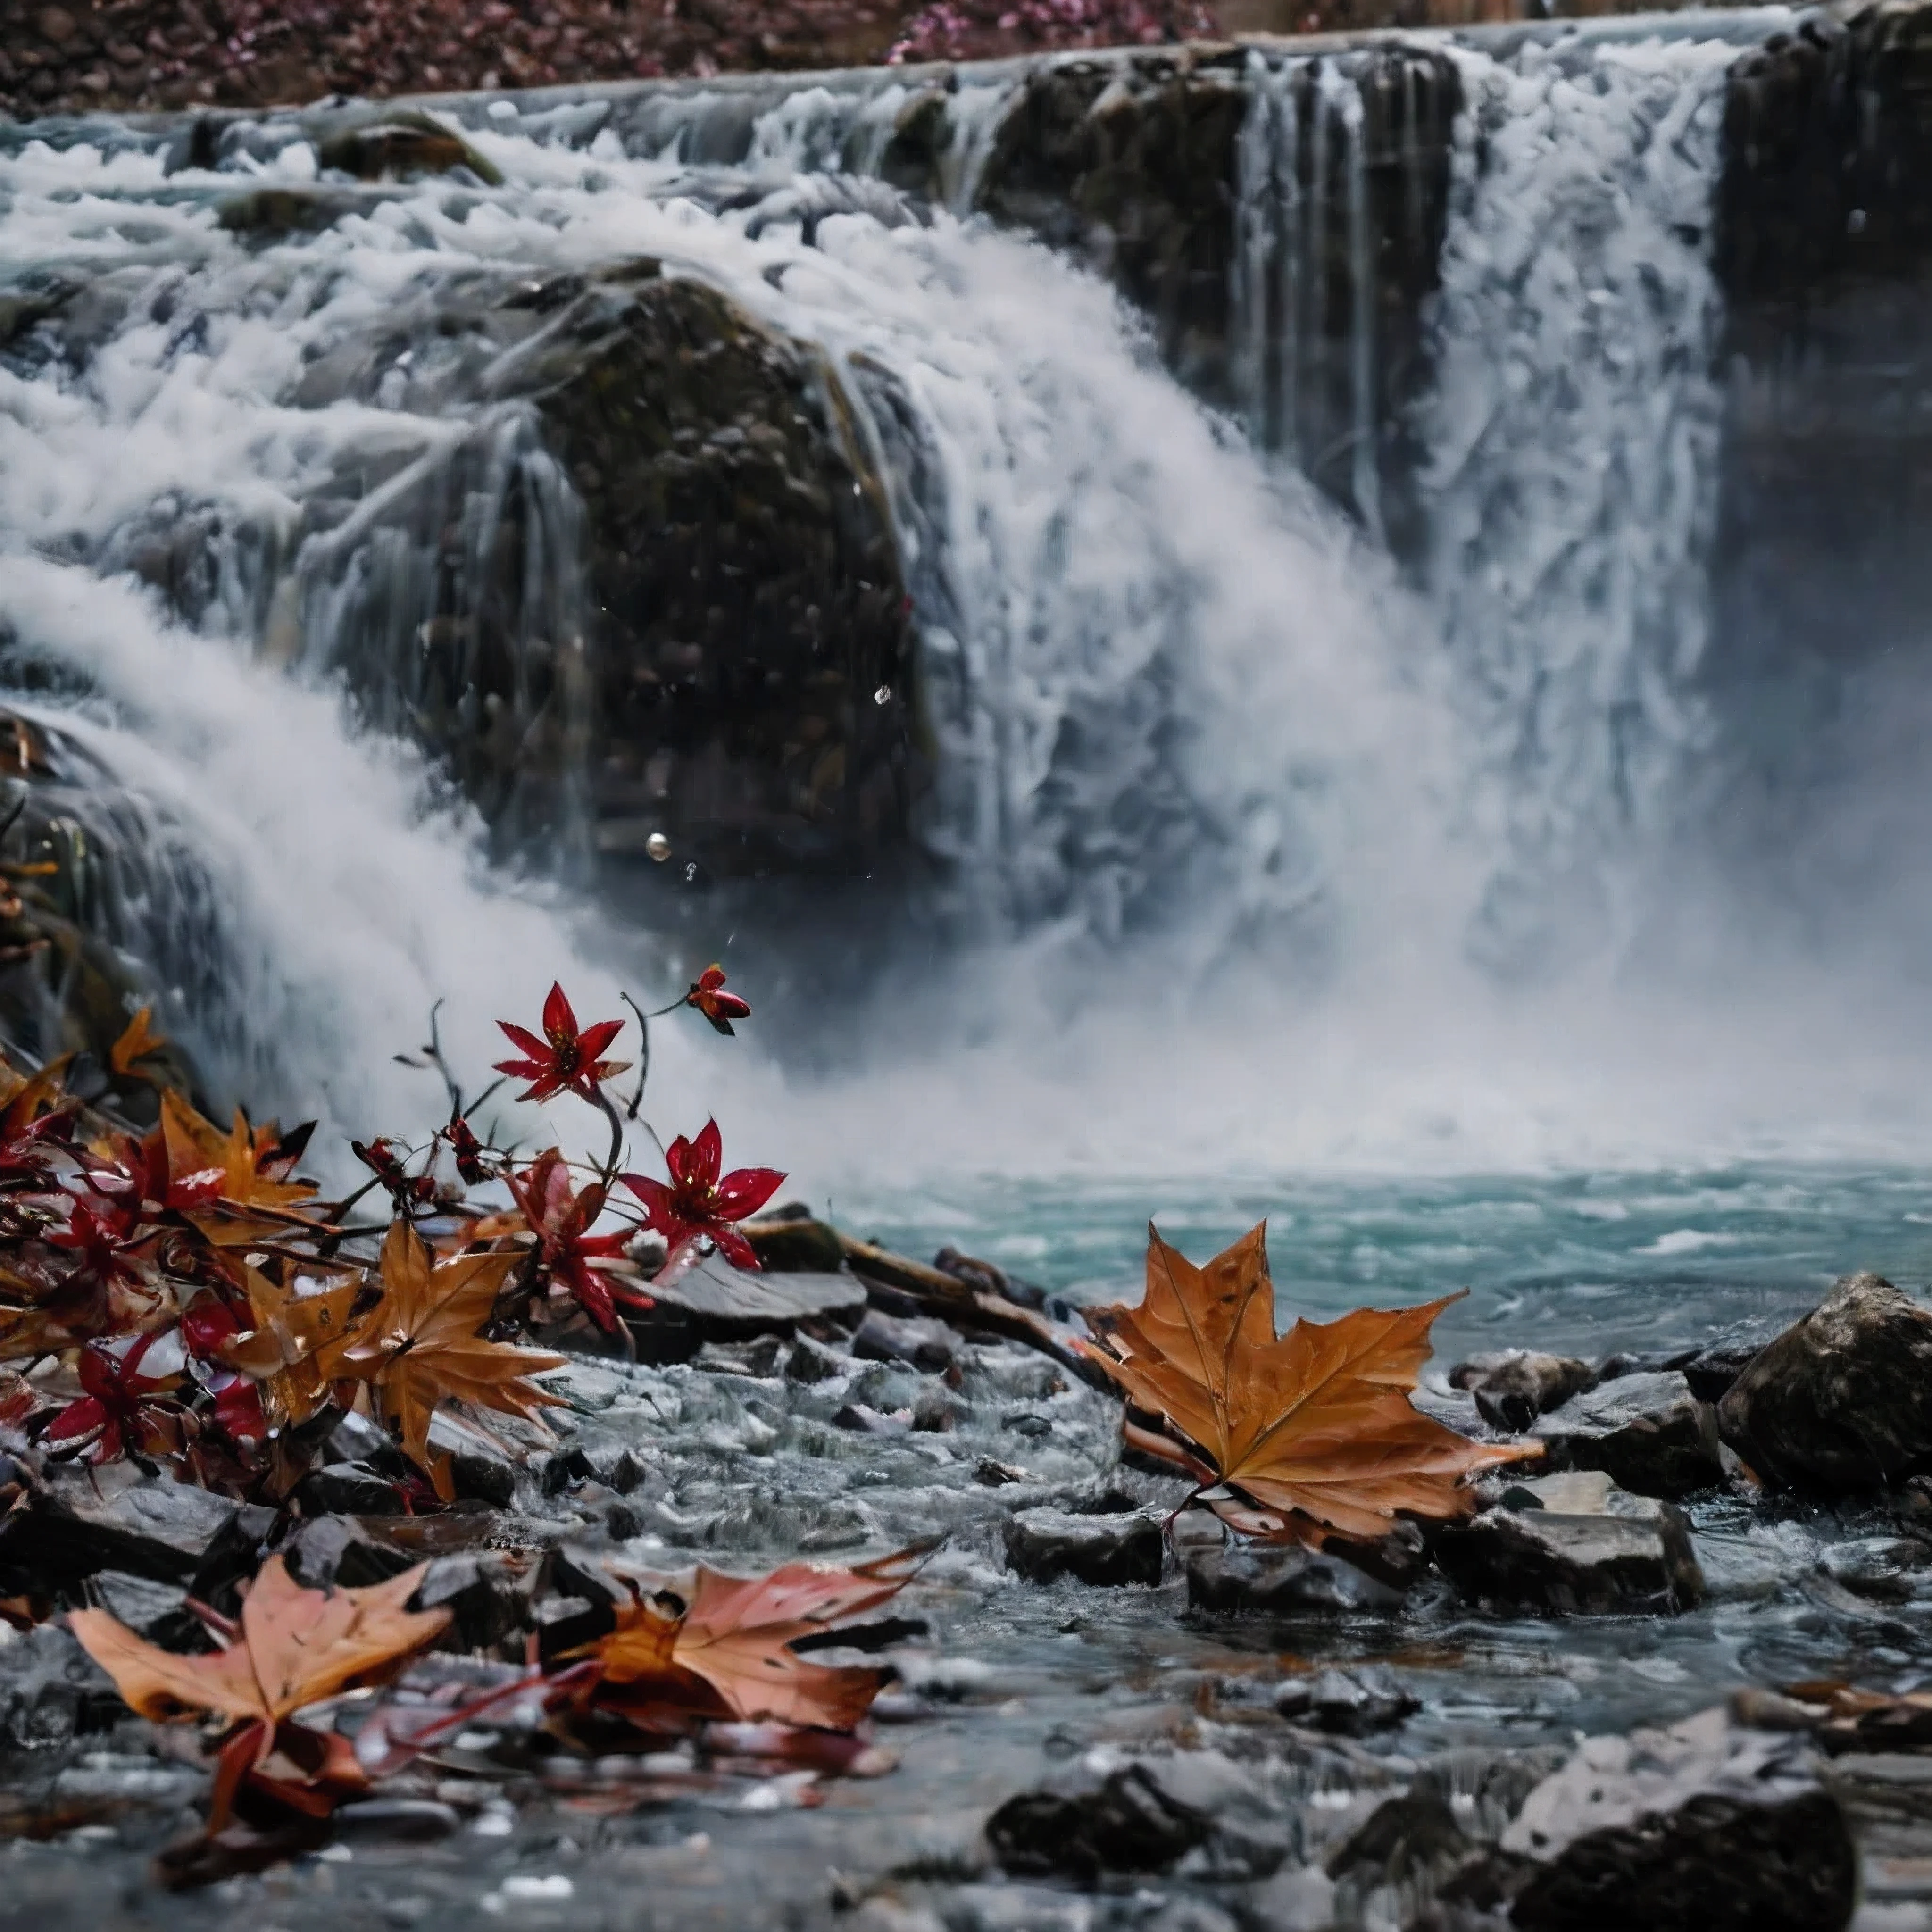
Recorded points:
698,1202
708,995
564,1059
119,1410
468,1150
561,1219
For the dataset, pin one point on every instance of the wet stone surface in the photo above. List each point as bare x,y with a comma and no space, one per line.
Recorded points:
1243,1737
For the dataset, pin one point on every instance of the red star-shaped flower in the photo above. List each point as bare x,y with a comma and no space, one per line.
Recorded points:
566,1060
708,995
698,1202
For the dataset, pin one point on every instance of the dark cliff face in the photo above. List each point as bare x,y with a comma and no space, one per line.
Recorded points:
1822,574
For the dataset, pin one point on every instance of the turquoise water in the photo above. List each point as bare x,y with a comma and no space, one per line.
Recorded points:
1587,1263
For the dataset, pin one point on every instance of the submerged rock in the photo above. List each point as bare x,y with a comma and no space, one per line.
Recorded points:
1843,1398
1574,1544
1044,1544
1648,1432
1128,1824
1701,1828
1350,1703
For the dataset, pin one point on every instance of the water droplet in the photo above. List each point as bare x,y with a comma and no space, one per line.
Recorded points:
858,489
658,847
884,695
690,873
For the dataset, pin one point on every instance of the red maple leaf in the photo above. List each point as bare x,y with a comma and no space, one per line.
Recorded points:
698,1202
566,1060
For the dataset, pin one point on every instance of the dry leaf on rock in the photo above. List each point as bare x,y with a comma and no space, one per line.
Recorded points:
1315,1425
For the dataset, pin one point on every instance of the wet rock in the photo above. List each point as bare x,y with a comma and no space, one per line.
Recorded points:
50,1689
1128,1824
401,145
1296,1901
863,1420
348,1489
1886,1568
1719,1363
791,1240
997,1475
1702,1828
1574,1544
490,1594
84,1520
339,1550
481,1475
1347,1703
926,1344
812,1361
395,1821
1403,1837
761,1358
1044,1544
1515,1386
1648,1432
156,1611
1282,1582
1842,1399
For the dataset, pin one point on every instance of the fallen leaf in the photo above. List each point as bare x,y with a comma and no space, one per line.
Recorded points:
1315,1427
419,1347
729,1655
294,1647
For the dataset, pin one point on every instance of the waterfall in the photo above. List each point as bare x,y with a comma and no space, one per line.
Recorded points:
1567,427
1185,711
1572,431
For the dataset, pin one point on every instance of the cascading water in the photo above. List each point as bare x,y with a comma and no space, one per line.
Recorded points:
1184,716
1573,433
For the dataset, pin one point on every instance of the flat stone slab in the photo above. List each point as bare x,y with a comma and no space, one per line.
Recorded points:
725,1300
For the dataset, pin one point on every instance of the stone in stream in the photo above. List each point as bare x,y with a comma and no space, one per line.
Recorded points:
1282,1580
1649,1433
1044,1544
348,1489
1127,1824
1705,1827
1842,1400
1350,1703
81,1521
1574,1543
1514,1386
924,1343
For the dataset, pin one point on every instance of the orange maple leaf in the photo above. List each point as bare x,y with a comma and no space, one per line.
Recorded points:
1314,1427
418,1346
294,1647
729,1654
241,1156
137,1041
